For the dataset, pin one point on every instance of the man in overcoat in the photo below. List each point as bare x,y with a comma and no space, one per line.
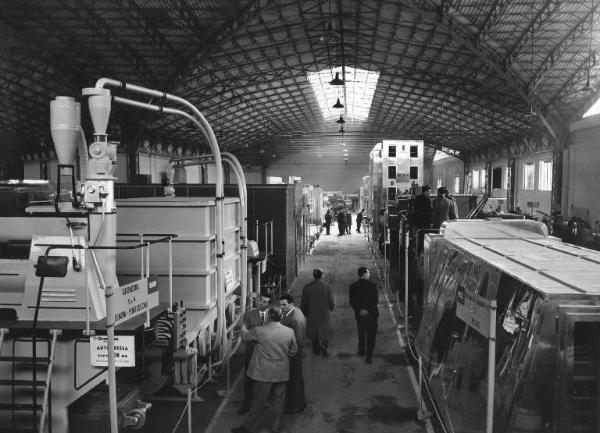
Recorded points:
295,399
328,220
317,305
364,300
252,318
269,369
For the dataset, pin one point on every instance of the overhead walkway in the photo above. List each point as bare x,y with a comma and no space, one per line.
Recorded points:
344,394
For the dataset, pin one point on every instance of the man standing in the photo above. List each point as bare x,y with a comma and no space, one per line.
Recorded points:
442,208
295,400
270,370
341,220
252,318
348,222
328,220
359,218
317,305
364,300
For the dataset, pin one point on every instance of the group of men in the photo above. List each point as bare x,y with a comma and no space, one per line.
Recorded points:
344,220
432,215
274,337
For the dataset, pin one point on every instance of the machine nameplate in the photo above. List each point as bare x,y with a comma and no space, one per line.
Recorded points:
124,351
474,310
130,300
228,279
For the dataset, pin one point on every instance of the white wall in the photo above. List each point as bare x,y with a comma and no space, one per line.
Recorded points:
581,170
444,171
522,196
330,173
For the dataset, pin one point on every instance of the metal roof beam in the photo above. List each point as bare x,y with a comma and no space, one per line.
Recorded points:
467,39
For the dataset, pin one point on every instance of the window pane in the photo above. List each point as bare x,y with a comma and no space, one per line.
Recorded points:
545,176
439,182
497,178
414,172
529,176
456,184
392,151
414,151
475,179
391,193
391,172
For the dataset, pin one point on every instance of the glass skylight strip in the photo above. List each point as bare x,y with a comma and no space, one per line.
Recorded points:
360,89
593,110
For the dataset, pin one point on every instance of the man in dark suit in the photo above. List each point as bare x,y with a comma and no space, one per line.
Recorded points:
443,208
295,399
364,300
269,369
317,305
359,218
252,318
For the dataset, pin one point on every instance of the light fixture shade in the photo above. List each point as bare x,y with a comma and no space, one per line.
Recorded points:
342,129
338,104
531,113
341,120
337,81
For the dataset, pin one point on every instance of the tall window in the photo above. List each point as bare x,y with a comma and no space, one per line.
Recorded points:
529,175
392,151
439,182
391,193
482,178
545,176
476,179
414,151
391,172
497,178
414,172
456,184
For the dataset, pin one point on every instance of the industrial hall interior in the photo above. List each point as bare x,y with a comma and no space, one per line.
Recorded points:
300,216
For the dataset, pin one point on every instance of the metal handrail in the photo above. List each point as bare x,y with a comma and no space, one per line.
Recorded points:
55,333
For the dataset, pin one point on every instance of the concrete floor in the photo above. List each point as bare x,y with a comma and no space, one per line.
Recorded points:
344,394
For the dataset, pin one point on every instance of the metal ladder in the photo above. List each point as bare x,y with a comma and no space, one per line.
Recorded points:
20,385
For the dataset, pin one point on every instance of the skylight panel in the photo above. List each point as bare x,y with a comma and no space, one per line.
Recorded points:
594,109
360,88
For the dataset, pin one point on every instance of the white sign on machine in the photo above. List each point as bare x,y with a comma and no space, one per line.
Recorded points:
480,313
130,300
124,351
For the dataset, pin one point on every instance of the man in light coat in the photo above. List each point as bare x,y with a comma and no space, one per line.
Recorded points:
269,369
295,399
317,305
252,318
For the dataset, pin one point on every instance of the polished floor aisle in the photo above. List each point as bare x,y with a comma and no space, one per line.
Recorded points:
344,394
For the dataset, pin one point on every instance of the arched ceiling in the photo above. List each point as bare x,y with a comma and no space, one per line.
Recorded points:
460,74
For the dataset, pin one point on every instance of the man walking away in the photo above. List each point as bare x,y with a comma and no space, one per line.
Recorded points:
270,370
317,305
364,300
348,222
328,219
295,399
359,218
341,220
252,318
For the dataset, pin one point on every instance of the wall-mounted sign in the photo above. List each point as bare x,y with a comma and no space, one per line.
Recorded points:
402,177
